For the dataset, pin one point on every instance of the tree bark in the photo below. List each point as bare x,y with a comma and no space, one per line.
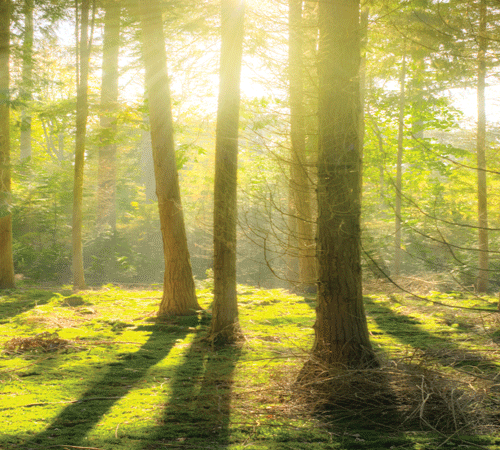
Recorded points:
81,125
179,297
225,326
341,332
399,167
106,193
6,260
301,209
27,81
482,197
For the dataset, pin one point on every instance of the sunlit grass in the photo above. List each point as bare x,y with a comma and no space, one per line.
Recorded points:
124,381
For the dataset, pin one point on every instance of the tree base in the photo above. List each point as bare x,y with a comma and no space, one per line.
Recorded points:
229,335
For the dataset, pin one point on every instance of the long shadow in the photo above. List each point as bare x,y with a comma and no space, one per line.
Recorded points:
76,420
407,330
16,302
199,407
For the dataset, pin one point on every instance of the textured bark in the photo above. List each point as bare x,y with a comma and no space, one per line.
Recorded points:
399,168
27,80
6,261
81,125
341,332
301,208
482,198
179,296
225,326
106,193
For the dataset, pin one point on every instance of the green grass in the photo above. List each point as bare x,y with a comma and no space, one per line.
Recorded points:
124,381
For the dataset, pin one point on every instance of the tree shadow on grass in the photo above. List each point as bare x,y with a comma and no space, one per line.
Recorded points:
72,425
198,411
407,330
13,303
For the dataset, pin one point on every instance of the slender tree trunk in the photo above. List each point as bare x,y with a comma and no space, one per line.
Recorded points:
399,168
81,125
299,174
292,260
106,203
225,326
6,260
179,297
341,332
482,203
27,80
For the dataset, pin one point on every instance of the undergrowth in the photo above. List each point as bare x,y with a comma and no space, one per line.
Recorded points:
98,371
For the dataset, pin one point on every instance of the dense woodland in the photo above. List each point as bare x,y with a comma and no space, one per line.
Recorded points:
308,147
421,69
142,139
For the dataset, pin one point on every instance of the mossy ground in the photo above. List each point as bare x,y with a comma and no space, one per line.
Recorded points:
122,380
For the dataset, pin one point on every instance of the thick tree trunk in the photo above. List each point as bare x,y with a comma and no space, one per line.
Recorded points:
399,168
482,202
6,261
299,174
179,297
27,80
341,332
106,193
225,326
81,125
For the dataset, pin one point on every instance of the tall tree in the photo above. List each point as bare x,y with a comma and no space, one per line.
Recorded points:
482,203
106,192
301,210
81,126
399,167
341,332
225,326
179,297
27,80
6,261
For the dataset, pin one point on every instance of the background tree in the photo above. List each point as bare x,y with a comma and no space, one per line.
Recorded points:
6,259
225,326
341,332
27,80
106,193
179,296
81,126
482,193
301,211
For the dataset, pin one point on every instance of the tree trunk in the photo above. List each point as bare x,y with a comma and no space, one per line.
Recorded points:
27,81
179,297
399,168
106,194
6,260
299,174
482,203
225,327
341,332
81,125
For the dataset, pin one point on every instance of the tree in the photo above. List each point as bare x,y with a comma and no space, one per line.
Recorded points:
179,297
106,193
341,332
225,326
482,202
81,126
27,80
6,260
301,211
399,167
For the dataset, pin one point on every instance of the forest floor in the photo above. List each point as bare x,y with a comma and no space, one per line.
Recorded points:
96,370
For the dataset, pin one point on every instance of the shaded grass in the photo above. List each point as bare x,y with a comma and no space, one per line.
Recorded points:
129,382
